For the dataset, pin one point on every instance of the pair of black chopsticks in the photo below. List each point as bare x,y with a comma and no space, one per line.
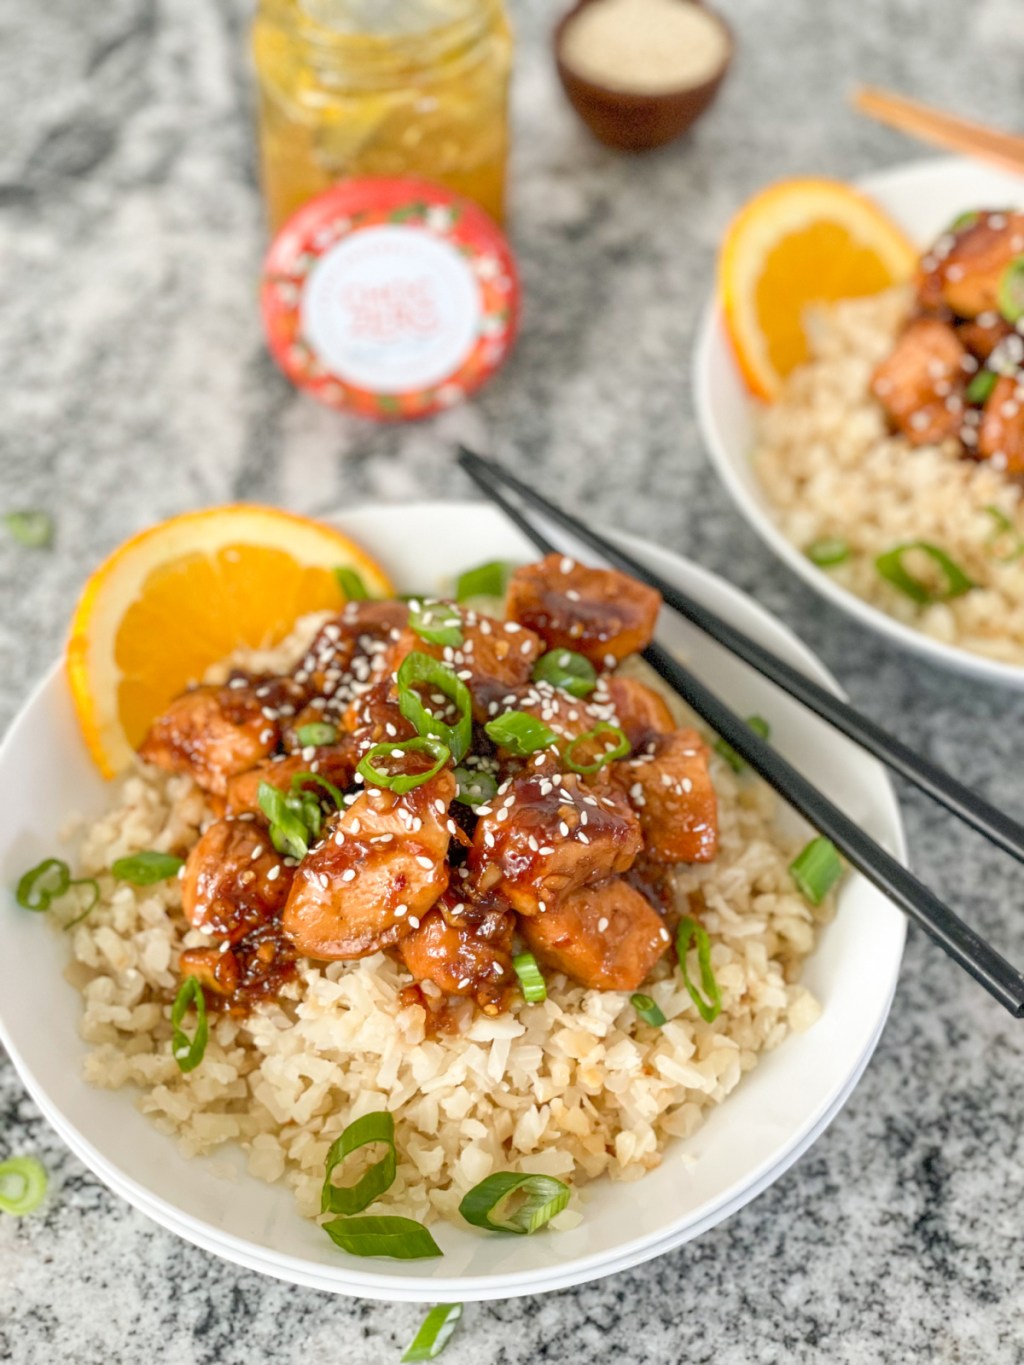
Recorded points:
958,939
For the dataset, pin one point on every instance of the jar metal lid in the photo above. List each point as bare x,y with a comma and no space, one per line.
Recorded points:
392,298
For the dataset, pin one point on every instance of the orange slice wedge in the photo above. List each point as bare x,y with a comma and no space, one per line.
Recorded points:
185,593
800,242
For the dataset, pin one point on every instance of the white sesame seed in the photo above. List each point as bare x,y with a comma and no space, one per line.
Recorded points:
602,925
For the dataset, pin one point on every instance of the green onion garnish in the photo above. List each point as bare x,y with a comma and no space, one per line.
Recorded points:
816,869
23,1183
759,726
400,783
147,868
417,669
290,832
351,584
828,551
531,980
300,780
487,580
47,882
981,386
1004,526
963,220
476,787
891,567
544,1197
565,669
376,1127
400,1238
691,934
619,749
435,1332
32,529
188,1052
520,733
316,733
439,623
1011,291
648,1010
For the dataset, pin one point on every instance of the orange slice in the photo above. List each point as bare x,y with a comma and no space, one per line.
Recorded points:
796,243
181,595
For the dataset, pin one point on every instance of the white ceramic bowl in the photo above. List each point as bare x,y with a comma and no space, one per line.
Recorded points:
751,1139
923,197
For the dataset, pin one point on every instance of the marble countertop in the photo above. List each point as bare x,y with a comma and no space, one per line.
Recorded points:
134,384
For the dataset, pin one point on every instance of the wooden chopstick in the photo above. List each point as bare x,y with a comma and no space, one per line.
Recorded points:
953,935
941,129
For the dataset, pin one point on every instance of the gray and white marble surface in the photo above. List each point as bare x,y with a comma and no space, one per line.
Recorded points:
134,383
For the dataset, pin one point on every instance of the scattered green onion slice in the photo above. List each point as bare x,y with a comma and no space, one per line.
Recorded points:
476,787
544,1198
435,1332
47,882
23,1183
619,749
289,831
1011,291
316,733
300,780
487,580
531,980
520,733
400,1238
890,566
828,551
421,668
1003,527
188,1052
351,584
565,669
691,934
94,887
32,529
439,623
376,1127
147,868
981,386
759,726
648,1010
400,783
816,869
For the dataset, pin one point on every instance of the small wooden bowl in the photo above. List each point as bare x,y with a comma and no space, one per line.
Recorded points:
633,121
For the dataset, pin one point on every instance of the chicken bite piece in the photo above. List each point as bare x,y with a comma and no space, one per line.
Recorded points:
669,786
1001,434
212,733
921,382
606,937
234,880
353,648
638,710
972,267
336,763
379,868
464,948
599,613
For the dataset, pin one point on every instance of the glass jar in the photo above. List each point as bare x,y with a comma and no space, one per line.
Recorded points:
382,88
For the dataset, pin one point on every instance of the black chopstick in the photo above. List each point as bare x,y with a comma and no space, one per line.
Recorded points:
1001,829
953,935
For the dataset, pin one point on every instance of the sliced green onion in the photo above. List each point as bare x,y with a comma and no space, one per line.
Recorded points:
891,567
476,787
376,1127
565,669
351,584
439,623
531,980
1004,526
1011,291
520,733
759,726
417,668
981,386
828,551
289,831
300,780
32,529
816,869
94,887
487,580
649,1010
435,1332
147,868
544,1198
23,1182
47,882
400,783
691,934
316,733
400,1238
619,749
188,1052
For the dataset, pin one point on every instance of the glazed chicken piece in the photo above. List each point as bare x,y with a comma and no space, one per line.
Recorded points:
375,718
606,937
465,948
377,871
596,612
639,711
920,383
982,335
212,733
544,839
216,970
494,656
354,647
669,786
967,275
1001,435
234,880
334,762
